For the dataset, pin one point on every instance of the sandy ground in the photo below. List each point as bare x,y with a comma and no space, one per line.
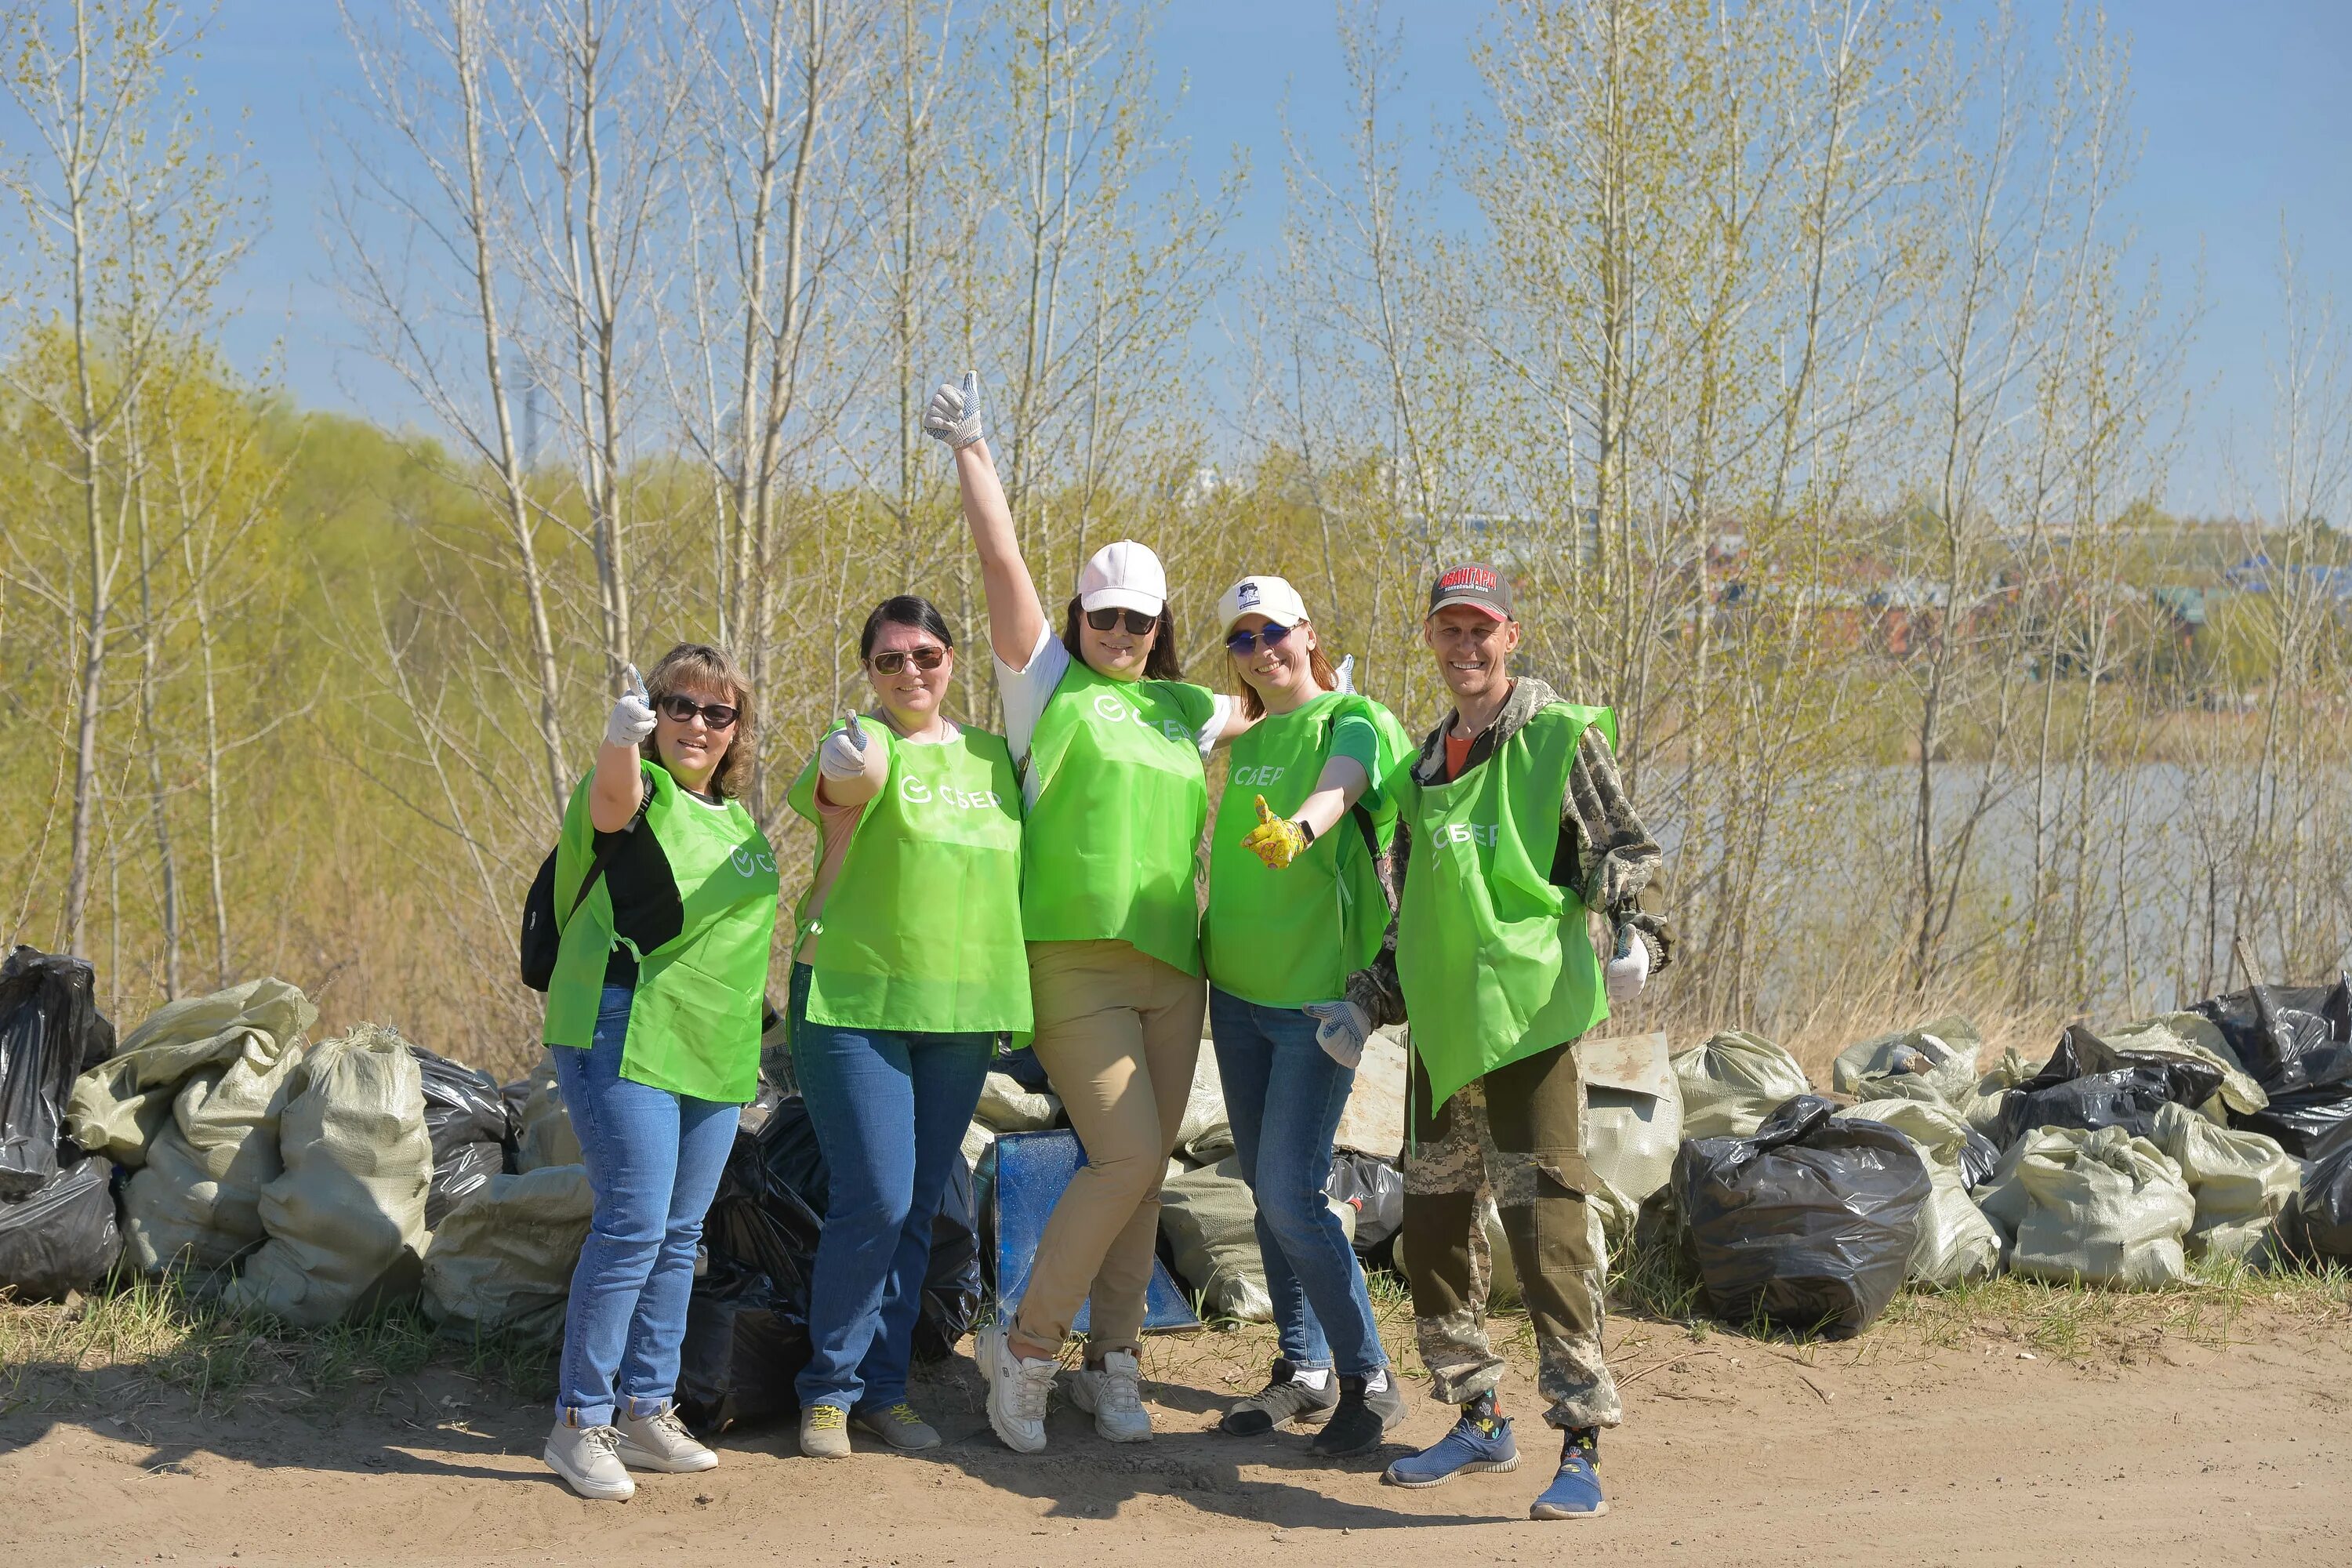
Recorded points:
1888,1452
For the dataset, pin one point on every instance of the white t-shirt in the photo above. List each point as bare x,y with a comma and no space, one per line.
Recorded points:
1027,691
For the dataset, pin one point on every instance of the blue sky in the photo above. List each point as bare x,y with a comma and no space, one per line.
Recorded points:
2246,110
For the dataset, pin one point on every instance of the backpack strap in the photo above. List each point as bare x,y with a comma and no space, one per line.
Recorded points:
597,865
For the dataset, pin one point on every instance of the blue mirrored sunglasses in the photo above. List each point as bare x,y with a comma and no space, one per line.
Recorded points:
1246,643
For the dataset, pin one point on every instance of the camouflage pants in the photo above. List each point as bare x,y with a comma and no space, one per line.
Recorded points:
1517,1133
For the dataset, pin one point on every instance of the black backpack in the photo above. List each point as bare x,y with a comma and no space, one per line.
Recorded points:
541,938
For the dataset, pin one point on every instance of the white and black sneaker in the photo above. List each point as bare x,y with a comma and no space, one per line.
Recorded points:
1369,1409
1287,1396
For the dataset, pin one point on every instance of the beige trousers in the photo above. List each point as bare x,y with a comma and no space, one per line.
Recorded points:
1119,1033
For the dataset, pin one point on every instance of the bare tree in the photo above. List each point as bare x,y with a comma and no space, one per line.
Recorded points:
131,224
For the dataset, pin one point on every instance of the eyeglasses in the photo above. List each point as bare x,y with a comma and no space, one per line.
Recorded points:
1244,642
680,707
1138,623
892,662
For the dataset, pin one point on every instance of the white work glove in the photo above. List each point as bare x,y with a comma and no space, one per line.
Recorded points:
1629,970
842,755
1341,1028
632,719
953,415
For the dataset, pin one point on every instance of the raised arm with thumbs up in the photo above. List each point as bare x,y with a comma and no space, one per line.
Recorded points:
850,768
620,786
842,755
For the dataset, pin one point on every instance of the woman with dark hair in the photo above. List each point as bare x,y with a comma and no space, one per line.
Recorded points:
907,965
652,1013
1110,742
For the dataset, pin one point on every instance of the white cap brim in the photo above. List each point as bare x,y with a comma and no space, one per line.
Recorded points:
1121,599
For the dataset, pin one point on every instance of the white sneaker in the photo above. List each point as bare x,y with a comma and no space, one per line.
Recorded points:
1017,1391
660,1443
1114,1397
589,1460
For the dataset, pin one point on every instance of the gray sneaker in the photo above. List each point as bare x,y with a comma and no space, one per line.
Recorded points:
1283,1399
587,1459
660,1443
824,1431
896,1425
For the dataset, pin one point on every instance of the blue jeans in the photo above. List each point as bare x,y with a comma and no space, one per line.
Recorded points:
654,1161
1284,1094
889,1109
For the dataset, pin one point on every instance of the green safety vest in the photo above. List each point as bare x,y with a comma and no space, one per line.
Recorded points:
1115,829
1496,961
1284,939
694,1023
921,931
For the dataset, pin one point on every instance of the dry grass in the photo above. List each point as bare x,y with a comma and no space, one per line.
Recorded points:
141,1334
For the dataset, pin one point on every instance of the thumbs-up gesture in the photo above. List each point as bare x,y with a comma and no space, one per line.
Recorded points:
953,415
632,719
842,755
1276,840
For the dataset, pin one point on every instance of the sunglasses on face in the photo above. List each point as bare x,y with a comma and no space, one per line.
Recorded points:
894,661
1138,623
1244,642
681,708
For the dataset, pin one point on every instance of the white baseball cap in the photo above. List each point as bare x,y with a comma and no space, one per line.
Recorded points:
1272,597
1123,576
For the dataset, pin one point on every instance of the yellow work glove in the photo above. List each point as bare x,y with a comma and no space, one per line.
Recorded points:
1276,840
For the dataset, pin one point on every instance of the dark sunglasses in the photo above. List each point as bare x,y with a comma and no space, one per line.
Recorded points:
894,661
680,707
1243,642
1138,623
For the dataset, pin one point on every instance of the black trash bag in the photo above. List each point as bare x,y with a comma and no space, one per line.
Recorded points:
2063,1095
50,1030
1810,1223
63,1237
769,1213
745,1343
2309,1123
1376,1188
1023,1068
2288,1037
461,1106
459,1176
758,1221
951,1284
2317,1224
1979,1158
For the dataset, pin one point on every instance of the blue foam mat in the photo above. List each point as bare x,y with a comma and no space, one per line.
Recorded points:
1031,1169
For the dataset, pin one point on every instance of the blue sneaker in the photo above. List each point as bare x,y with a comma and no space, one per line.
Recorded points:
1481,1440
1575,1492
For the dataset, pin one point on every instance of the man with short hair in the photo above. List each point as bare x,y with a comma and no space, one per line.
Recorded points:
1514,824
